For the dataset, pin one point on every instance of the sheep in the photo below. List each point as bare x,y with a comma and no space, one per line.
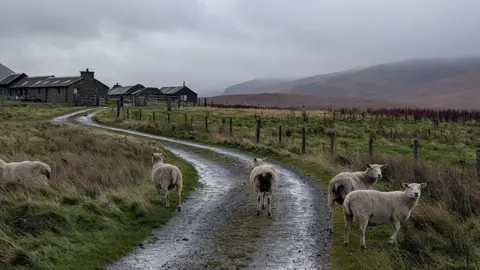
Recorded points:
14,172
345,182
373,208
166,177
264,180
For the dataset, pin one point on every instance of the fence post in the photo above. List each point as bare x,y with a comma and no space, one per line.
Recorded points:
257,132
128,113
191,121
206,122
168,118
304,146
332,143
370,149
231,126
205,102
121,101
478,163
153,116
118,108
416,146
280,134
140,114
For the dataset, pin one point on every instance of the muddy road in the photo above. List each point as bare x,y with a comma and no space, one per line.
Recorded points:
297,237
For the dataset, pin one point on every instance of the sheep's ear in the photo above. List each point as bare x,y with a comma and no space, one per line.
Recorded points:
405,185
368,165
422,185
255,159
383,166
153,154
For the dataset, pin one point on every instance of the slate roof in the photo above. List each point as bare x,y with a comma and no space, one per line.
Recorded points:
30,82
139,91
170,90
59,81
122,90
10,78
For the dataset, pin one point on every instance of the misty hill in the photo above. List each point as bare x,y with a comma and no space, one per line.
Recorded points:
435,82
254,86
4,71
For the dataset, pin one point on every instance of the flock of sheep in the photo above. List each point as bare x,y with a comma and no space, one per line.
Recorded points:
371,207
352,190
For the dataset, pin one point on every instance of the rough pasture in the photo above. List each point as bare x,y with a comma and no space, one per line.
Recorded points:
101,202
443,227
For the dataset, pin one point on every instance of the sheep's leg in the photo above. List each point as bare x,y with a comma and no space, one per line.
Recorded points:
167,203
330,206
179,189
363,222
269,198
348,226
258,203
393,238
263,201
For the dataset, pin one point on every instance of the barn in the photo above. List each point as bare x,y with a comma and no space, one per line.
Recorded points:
180,92
118,91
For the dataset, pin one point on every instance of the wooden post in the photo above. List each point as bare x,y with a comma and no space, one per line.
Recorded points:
370,149
121,101
416,146
257,131
128,113
168,118
304,142
206,122
205,102
280,134
191,121
231,126
332,143
118,108
478,163
140,114
153,116
186,118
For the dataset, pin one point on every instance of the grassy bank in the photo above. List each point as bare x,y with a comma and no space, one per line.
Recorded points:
443,232
100,204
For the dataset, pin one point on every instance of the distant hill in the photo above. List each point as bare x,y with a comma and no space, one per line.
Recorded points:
254,86
4,71
433,82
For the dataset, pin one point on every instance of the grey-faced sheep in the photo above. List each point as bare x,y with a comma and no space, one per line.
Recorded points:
26,171
264,180
345,182
373,208
165,177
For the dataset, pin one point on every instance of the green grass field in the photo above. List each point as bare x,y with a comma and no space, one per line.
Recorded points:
444,229
101,202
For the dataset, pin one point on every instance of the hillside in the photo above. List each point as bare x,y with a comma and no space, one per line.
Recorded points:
4,71
285,100
255,86
433,82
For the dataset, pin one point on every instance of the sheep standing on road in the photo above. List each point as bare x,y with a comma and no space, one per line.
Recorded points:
373,208
166,177
26,171
346,182
264,180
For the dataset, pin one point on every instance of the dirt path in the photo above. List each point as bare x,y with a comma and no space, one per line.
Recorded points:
297,239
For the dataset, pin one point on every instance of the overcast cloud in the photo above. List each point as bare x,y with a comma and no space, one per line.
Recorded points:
212,44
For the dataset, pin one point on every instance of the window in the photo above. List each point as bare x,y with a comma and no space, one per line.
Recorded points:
183,97
55,82
75,90
59,90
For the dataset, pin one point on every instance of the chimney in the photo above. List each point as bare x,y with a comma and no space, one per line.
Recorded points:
183,83
116,85
87,74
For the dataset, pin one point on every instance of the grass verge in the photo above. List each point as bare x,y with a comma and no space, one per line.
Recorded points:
444,229
100,203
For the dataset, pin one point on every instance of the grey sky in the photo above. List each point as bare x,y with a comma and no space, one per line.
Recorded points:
215,43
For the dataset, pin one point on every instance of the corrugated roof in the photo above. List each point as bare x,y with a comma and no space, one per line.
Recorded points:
120,90
59,81
7,80
30,82
145,89
170,90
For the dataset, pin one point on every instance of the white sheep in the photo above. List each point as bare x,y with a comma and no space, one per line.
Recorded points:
345,182
25,171
373,208
264,180
166,177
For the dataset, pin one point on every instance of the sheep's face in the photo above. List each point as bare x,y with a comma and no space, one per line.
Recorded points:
374,171
258,161
413,190
157,157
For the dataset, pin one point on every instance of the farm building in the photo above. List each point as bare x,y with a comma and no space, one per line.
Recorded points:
180,92
8,81
117,90
148,91
79,90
